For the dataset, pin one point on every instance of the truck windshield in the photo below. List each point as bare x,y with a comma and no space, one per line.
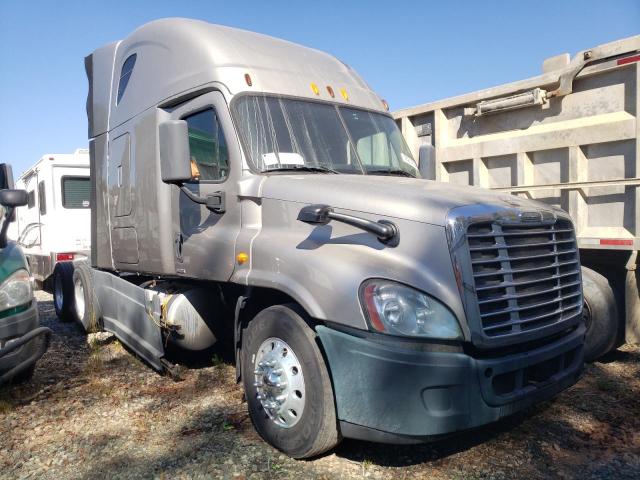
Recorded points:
283,134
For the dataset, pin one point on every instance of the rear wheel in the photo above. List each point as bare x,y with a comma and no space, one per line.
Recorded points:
600,315
85,303
63,291
287,385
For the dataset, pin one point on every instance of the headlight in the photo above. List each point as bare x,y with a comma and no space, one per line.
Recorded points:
15,290
396,309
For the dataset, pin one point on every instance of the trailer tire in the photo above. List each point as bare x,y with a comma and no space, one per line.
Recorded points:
600,313
315,429
86,309
63,301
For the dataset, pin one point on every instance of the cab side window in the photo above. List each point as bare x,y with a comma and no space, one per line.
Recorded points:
207,147
125,75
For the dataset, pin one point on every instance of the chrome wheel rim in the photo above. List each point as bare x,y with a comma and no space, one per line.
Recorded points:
57,291
279,382
78,291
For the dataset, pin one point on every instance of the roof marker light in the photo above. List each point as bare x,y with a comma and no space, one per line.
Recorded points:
330,90
315,89
247,78
385,105
344,94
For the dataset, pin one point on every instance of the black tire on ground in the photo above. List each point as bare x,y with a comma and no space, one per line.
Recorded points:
600,313
63,291
23,376
86,306
316,431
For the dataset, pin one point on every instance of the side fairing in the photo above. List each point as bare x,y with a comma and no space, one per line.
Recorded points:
322,267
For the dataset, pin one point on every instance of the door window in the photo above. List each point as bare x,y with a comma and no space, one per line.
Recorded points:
42,201
207,147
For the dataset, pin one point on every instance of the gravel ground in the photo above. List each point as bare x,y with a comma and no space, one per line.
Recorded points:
93,410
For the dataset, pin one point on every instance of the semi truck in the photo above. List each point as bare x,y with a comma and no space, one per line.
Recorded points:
252,191
22,340
53,228
569,138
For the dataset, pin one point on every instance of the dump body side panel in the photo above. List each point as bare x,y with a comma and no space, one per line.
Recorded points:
578,151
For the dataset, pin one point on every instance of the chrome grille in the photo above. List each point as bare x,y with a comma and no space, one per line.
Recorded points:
525,277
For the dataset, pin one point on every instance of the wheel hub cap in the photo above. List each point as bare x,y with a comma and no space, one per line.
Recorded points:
279,382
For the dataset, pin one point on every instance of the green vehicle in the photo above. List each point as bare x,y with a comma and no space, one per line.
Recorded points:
22,340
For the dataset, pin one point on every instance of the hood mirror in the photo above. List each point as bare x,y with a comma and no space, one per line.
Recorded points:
427,161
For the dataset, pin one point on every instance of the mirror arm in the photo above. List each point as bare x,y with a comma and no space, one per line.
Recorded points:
214,203
8,216
387,232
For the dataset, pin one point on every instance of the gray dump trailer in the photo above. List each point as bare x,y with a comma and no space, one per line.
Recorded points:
569,138
252,191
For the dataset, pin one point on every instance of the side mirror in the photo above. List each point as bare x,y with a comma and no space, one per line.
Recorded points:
13,198
175,163
6,176
427,161
10,199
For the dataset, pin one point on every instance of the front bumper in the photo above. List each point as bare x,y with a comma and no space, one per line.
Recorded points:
27,342
388,393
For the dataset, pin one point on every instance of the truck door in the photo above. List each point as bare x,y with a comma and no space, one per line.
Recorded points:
204,240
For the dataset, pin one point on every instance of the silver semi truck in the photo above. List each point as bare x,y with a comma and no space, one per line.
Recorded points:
253,191
569,138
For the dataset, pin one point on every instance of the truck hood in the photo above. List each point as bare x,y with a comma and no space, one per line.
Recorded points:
390,196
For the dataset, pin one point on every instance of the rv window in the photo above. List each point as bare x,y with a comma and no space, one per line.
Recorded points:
42,201
75,192
125,74
207,147
31,199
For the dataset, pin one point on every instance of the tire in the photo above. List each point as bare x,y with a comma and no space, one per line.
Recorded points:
600,314
85,306
63,291
313,429
23,376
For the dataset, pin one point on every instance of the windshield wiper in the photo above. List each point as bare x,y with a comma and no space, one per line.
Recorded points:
390,171
301,168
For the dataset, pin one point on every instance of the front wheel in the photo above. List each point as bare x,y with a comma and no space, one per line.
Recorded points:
286,383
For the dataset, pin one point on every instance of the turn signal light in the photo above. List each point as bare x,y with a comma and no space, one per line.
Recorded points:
242,258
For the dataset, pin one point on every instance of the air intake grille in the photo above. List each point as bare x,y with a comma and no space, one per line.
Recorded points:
526,277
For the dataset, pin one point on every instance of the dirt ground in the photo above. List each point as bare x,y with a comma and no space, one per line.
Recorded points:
93,410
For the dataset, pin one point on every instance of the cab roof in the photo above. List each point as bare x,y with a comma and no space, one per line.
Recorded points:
176,56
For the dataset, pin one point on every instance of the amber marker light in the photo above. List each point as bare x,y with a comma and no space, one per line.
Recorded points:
247,78
385,105
344,94
330,90
242,258
315,89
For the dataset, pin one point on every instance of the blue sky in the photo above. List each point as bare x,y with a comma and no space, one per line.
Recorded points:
410,52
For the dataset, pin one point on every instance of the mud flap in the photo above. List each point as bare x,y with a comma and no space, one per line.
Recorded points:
124,314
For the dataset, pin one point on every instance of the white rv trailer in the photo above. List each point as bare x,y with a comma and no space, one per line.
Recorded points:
55,225
568,137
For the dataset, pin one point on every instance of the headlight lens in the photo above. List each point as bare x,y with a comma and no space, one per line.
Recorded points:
396,309
15,290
